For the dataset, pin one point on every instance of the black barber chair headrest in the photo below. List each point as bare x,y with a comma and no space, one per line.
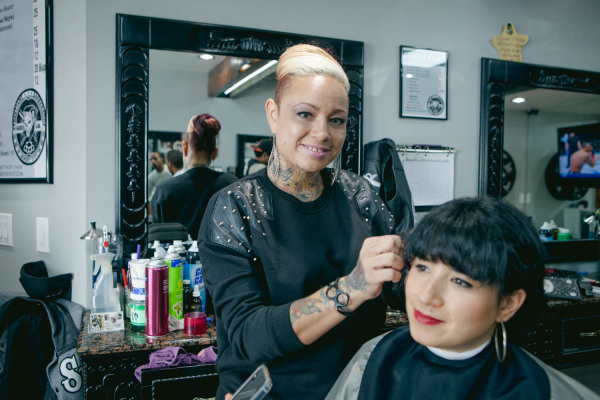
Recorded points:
167,232
38,285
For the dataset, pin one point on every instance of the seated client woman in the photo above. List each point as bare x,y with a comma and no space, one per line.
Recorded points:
475,272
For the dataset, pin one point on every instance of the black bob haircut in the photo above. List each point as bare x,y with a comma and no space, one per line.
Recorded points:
488,240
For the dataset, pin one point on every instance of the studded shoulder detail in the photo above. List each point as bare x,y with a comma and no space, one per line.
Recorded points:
365,197
239,209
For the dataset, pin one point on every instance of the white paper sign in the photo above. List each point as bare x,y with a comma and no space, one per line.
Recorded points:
430,176
24,150
423,83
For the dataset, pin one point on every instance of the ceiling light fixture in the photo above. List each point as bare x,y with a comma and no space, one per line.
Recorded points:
206,56
519,100
256,75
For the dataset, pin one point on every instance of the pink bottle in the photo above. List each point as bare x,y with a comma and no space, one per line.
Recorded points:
157,298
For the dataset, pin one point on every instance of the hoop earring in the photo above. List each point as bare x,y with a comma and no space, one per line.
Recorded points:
273,164
337,165
504,344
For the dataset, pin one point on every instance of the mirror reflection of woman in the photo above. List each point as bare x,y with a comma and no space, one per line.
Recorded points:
184,197
296,256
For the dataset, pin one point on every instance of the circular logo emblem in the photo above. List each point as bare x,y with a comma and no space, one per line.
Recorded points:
435,105
29,126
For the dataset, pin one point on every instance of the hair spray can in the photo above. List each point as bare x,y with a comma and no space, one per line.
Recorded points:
157,298
175,264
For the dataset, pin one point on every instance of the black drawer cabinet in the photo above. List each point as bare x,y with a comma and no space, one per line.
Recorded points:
108,360
112,376
568,334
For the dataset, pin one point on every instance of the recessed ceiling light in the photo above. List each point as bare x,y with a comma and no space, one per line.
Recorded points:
519,100
408,76
206,56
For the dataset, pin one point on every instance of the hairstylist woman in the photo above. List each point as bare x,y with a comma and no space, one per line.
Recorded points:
272,244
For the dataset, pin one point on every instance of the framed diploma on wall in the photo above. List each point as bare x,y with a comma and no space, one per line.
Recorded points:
423,83
26,89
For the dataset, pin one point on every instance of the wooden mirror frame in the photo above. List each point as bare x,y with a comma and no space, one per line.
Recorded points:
496,75
137,35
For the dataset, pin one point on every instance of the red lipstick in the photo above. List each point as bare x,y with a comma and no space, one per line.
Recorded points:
426,319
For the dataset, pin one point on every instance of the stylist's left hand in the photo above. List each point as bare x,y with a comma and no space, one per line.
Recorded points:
228,396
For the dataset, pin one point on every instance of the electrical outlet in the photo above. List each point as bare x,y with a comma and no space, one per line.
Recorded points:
41,235
6,230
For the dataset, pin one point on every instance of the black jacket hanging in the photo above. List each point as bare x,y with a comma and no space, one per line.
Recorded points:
384,170
38,343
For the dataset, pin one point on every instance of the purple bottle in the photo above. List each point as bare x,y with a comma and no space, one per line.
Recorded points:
157,298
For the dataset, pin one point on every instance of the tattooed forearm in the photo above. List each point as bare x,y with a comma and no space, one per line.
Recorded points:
306,306
356,279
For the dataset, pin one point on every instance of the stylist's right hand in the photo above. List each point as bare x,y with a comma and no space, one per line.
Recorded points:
379,261
228,396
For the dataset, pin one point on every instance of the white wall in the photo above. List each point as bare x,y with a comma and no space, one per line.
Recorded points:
561,33
64,203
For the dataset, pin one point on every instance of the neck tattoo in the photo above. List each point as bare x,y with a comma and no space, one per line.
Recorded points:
305,187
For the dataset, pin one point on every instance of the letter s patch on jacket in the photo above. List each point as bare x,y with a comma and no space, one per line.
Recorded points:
69,369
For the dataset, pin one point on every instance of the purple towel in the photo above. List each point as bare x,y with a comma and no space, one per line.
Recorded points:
208,355
174,356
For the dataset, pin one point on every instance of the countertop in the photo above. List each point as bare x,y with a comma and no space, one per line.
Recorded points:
128,340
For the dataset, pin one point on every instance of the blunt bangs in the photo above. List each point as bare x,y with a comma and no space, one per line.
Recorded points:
463,238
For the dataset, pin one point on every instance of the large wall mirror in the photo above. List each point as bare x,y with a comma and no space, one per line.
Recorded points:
520,143
161,83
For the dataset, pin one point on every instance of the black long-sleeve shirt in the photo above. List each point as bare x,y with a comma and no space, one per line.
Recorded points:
262,249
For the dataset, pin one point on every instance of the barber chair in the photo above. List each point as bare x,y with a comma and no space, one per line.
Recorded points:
165,232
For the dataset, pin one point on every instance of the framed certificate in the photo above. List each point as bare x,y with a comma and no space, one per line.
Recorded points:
26,91
423,83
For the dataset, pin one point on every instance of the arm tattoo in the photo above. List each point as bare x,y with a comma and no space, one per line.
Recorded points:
306,306
356,279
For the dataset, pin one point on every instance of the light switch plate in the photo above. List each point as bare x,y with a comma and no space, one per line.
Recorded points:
6,230
41,235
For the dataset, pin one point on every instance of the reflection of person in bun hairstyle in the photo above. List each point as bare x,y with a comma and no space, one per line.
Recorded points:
183,198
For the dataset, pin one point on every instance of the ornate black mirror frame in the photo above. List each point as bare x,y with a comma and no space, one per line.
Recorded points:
496,76
137,35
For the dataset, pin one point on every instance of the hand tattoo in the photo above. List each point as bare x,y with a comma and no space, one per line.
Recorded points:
356,279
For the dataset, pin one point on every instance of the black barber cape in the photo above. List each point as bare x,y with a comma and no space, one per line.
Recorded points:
394,366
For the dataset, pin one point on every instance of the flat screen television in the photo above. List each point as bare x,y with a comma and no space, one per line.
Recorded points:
579,155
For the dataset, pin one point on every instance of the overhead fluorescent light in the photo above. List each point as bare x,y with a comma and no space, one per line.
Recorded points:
206,56
254,76
519,100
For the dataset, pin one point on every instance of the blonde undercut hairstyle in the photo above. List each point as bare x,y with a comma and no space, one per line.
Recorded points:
304,60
